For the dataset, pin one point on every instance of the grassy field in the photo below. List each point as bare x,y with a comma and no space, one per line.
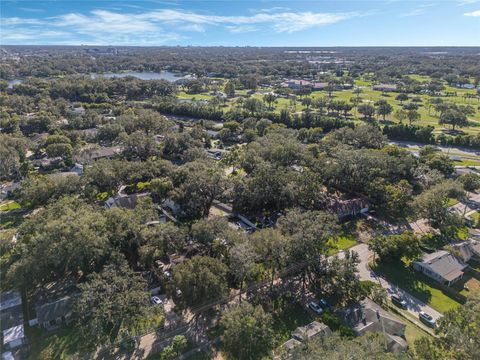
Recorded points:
343,242
418,285
466,162
9,205
427,117
368,95
413,332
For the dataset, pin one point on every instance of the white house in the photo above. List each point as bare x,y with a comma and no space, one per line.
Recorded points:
440,266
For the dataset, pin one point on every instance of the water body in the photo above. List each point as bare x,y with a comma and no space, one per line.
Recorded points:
164,75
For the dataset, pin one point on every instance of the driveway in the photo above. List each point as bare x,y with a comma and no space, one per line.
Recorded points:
414,305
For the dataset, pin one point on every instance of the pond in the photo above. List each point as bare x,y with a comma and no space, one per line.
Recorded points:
163,75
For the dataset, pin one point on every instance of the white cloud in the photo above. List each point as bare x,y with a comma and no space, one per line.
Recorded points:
419,10
110,27
473,13
238,29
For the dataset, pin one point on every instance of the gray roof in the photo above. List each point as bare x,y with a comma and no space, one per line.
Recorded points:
127,201
310,330
9,299
291,343
11,317
11,311
363,317
54,309
12,334
443,263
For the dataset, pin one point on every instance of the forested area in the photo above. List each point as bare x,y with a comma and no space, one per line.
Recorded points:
232,206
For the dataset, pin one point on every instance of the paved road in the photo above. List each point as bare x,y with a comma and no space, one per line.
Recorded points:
414,305
459,151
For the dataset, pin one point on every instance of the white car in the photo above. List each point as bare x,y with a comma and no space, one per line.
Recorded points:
427,319
155,300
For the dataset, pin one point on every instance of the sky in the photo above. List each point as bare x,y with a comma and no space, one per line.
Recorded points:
241,22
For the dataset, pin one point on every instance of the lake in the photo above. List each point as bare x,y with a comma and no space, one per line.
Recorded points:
148,75
164,75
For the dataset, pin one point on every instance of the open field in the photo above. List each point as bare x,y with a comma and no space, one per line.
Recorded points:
368,95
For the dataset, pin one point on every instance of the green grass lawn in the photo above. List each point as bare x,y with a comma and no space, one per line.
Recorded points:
60,344
475,217
9,205
343,242
418,285
413,332
102,196
141,185
452,202
467,162
428,116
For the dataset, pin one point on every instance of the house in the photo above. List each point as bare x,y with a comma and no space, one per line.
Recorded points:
77,110
53,304
307,332
48,163
54,313
295,84
11,320
440,266
467,249
369,317
94,154
7,189
213,134
319,85
385,87
38,138
290,344
77,169
350,207
124,201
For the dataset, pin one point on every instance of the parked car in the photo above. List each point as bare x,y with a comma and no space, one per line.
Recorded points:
155,300
315,307
426,319
324,304
398,301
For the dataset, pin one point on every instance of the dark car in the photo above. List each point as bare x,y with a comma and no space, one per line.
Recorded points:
398,301
315,307
324,303
426,319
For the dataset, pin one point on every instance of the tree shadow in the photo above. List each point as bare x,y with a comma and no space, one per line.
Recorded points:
405,278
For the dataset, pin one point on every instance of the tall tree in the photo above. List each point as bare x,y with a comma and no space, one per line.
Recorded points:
247,332
201,279
112,301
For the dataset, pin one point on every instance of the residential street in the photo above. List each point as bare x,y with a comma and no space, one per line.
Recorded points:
459,152
414,305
